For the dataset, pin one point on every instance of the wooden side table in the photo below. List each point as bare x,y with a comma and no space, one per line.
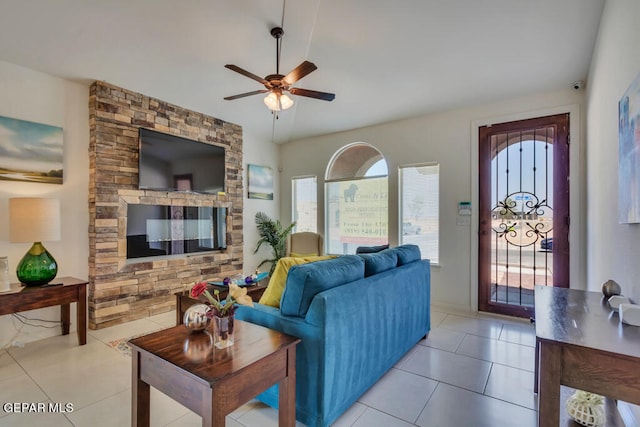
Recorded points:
184,300
33,297
582,344
213,382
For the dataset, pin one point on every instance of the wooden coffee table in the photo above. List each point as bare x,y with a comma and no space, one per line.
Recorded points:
184,300
209,381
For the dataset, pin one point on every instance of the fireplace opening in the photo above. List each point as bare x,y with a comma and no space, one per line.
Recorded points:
160,230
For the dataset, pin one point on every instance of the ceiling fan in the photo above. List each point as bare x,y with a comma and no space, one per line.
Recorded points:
277,84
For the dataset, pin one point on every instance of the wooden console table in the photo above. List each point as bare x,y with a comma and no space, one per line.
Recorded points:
33,297
213,382
583,345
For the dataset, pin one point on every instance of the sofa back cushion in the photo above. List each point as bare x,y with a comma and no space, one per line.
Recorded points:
378,262
307,280
407,254
273,293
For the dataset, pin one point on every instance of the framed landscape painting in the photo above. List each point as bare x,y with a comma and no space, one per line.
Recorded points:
260,182
629,154
30,151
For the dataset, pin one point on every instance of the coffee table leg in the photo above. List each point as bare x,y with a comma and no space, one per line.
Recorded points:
140,394
287,393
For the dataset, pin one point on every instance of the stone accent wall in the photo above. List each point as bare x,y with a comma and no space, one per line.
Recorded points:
122,290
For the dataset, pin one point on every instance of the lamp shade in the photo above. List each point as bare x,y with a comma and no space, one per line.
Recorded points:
33,219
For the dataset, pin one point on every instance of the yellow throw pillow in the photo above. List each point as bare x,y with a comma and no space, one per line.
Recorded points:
295,255
273,293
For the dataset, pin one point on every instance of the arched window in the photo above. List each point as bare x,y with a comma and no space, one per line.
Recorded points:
356,191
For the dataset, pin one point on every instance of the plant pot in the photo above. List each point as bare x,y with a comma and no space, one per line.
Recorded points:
223,331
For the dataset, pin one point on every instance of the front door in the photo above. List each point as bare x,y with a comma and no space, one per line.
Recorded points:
524,212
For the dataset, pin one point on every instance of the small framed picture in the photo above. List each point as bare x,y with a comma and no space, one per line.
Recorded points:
30,152
260,182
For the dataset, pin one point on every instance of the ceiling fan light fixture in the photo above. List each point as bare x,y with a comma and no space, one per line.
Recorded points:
278,101
285,102
276,84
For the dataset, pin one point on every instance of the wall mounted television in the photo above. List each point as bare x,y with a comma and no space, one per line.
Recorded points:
172,163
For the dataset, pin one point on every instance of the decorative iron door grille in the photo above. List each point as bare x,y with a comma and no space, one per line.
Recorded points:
523,181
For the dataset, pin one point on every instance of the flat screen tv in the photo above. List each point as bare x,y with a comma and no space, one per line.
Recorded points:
172,163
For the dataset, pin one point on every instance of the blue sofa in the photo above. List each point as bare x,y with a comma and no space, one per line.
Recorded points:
356,315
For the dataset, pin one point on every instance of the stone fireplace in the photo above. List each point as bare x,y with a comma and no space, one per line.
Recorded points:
122,290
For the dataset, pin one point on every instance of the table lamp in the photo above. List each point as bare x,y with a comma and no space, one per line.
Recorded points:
33,220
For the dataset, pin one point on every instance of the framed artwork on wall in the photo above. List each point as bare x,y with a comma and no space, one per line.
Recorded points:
260,182
30,152
629,154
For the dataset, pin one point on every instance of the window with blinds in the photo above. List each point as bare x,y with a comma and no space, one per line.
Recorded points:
304,203
419,208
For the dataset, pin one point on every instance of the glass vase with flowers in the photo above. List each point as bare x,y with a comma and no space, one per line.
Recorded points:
222,311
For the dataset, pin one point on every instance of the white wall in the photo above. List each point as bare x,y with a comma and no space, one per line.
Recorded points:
30,95
447,138
613,249
264,153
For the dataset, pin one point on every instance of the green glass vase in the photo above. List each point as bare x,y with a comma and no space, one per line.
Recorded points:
37,267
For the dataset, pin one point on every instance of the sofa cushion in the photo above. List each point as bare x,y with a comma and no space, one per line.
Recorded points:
407,254
305,281
378,262
273,293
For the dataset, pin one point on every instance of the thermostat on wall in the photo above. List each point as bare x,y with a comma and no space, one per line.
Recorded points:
464,208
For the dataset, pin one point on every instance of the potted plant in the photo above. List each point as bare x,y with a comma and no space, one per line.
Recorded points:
275,235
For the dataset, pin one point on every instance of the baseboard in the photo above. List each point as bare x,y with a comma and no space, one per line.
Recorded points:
629,413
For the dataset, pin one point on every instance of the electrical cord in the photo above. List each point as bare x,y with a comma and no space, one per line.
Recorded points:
25,321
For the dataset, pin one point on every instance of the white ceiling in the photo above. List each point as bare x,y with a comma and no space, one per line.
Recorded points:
384,60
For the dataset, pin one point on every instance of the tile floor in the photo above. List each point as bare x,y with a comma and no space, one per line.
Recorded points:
473,370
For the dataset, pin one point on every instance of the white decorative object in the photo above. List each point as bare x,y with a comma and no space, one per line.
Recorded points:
630,314
586,408
616,300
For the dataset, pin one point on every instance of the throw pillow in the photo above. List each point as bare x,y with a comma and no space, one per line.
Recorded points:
297,255
371,249
273,293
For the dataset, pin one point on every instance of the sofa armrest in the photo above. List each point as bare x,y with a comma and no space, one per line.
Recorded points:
271,318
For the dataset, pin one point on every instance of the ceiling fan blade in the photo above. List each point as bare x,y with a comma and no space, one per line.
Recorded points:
246,73
242,95
325,96
299,72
